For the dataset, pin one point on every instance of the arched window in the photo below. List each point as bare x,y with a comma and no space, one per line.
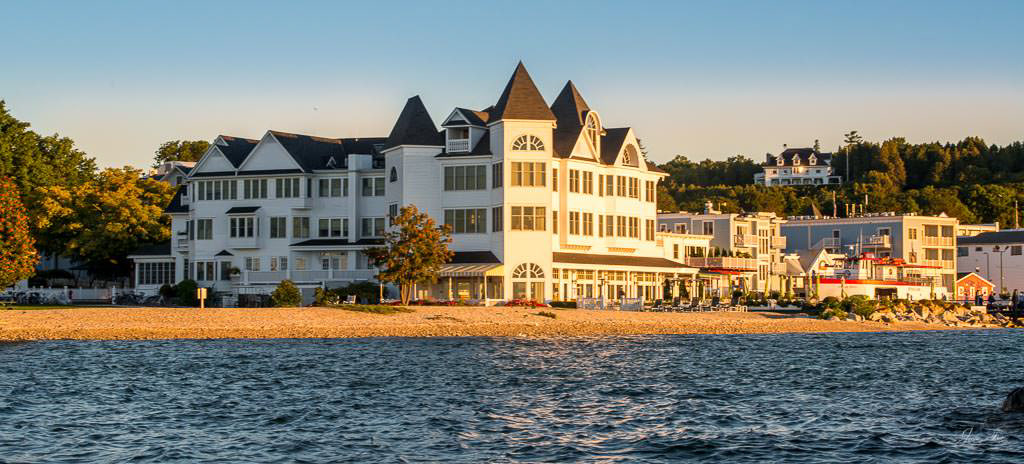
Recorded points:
629,156
593,130
527,143
528,271
528,282
394,174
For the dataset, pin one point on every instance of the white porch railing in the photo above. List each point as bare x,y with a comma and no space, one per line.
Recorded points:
938,241
458,145
779,241
722,262
251,277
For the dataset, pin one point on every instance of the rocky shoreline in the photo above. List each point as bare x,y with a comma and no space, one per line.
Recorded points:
932,312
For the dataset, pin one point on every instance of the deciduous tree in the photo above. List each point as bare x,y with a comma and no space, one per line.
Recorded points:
180,150
17,254
414,251
102,221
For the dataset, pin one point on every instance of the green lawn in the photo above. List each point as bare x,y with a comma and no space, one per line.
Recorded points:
375,309
17,306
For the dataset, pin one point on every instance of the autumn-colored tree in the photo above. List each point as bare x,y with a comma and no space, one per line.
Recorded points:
414,251
102,221
17,254
180,150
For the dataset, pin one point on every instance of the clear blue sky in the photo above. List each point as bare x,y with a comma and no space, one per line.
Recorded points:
708,79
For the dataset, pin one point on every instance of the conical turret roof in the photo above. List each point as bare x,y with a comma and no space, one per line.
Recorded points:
414,127
521,99
570,107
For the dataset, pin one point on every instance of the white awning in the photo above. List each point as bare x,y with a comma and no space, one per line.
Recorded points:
471,270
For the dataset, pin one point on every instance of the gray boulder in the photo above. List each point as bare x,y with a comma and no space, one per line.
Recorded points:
1014,401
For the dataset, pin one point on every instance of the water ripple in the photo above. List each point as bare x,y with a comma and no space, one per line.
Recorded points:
910,397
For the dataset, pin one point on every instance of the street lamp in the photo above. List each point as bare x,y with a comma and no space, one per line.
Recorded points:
1002,287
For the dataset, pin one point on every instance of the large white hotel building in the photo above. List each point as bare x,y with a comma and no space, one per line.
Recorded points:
545,202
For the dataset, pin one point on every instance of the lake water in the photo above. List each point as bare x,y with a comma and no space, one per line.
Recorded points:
915,397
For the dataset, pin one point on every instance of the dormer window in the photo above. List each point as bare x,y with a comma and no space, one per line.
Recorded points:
812,160
629,156
796,160
332,163
780,161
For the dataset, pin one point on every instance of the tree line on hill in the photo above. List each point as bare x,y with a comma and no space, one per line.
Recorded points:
970,180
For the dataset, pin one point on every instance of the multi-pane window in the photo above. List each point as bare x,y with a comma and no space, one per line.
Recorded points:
243,227
588,182
466,221
300,227
286,188
650,191
465,177
649,229
609,185
600,184
554,179
497,219
634,187
204,229
600,225
528,174
620,186
205,270
254,188
574,223
252,263
155,273
216,190
609,224
278,227
497,175
709,228
588,223
278,263
529,217
334,187
554,222
392,213
332,227
634,227
574,182
373,186
620,223
372,227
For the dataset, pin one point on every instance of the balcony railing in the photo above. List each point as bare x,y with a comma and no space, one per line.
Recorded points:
182,244
263,277
938,241
779,268
879,241
458,145
779,241
827,242
745,240
944,264
722,262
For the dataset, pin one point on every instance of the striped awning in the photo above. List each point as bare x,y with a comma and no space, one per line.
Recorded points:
472,270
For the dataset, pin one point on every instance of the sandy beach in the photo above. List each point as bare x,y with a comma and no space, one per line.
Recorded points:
171,323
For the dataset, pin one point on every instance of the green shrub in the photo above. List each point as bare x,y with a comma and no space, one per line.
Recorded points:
833,312
286,295
168,291
831,302
375,309
563,304
187,292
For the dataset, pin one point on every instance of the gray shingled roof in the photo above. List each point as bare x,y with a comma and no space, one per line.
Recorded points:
237,148
994,238
612,260
175,206
611,144
521,100
474,257
312,152
414,127
570,110
154,249
802,153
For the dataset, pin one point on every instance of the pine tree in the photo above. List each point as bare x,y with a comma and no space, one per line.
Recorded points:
17,247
